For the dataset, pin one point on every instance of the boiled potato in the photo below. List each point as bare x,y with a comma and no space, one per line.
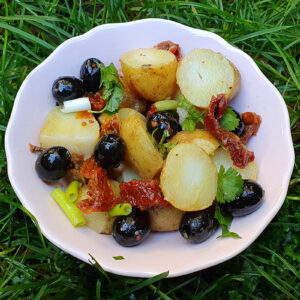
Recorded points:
165,219
151,73
99,221
203,73
189,178
199,137
140,151
78,134
222,157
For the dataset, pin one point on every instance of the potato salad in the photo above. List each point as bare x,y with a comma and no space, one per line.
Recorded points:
151,147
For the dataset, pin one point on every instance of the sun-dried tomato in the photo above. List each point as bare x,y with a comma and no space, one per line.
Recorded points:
151,111
240,155
111,126
102,197
172,47
144,194
97,103
252,122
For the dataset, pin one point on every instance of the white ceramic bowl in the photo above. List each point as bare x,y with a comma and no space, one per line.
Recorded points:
161,251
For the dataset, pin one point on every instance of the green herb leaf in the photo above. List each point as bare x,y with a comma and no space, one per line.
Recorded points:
230,185
112,88
118,257
230,120
225,223
193,115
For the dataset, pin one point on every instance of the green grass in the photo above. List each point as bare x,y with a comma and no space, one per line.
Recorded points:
33,268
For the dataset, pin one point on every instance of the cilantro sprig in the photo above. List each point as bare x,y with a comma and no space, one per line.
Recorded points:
193,115
112,88
230,185
230,120
162,147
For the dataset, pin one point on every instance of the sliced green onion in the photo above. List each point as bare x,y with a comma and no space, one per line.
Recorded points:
71,210
75,105
166,105
122,209
72,191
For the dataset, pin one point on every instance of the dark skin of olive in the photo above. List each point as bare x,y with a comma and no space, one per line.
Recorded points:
163,120
131,230
53,163
239,130
67,88
90,75
250,200
110,151
198,226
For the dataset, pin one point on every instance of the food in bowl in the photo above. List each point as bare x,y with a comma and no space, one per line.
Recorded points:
145,162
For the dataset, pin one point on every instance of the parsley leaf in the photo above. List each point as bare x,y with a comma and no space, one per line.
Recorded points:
225,222
230,185
193,115
112,88
230,120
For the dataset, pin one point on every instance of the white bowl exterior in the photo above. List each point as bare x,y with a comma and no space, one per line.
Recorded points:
161,251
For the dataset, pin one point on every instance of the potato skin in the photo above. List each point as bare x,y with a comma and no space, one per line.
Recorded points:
165,219
199,137
140,151
150,73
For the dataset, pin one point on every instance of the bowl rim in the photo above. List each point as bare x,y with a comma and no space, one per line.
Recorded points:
225,44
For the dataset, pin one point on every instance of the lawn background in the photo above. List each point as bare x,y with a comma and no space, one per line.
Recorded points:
33,268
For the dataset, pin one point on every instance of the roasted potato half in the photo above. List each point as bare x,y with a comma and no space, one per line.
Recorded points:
222,157
203,73
140,151
189,178
199,137
150,73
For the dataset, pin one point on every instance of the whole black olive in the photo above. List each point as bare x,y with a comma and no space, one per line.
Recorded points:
197,226
53,163
67,88
163,120
110,151
239,130
249,201
90,74
131,230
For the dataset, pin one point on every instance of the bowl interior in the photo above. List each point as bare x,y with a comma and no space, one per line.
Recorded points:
161,251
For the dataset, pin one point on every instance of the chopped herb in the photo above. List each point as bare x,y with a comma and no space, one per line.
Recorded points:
193,115
230,120
118,257
162,147
225,222
230,185
112,88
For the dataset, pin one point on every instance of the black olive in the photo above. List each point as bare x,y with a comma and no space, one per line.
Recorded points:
239,130
131,230
53,163
197,226
163,120
90,74
249,201
110,151
67,88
